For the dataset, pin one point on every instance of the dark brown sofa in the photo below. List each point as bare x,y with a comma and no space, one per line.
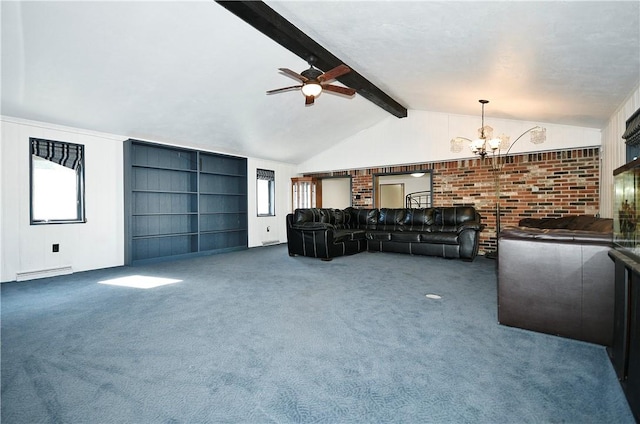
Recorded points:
555,276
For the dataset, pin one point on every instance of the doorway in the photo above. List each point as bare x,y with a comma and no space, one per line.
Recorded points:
391,195
416,189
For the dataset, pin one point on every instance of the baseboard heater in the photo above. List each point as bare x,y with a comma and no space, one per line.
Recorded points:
270,242
42,273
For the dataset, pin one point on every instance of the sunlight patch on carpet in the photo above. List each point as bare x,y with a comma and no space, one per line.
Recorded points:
139,281
433,296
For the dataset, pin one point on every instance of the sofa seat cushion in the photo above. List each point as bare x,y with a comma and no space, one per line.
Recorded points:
439,238
406,236
379,235
348,235
442,229
389,228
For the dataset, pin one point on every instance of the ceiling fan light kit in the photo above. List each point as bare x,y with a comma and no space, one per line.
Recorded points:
314,82
311,88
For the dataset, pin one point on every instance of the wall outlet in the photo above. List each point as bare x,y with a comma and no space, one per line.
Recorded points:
55,248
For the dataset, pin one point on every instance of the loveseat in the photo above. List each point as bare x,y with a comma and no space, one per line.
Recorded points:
449,232
555,277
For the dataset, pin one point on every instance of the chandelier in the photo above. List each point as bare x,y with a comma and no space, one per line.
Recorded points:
482,144
486,143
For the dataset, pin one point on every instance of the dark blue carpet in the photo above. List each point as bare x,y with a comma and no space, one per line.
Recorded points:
258,337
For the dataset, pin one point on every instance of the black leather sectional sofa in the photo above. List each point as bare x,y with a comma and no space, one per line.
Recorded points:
449,232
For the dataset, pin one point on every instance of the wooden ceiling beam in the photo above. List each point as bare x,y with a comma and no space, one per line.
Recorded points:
273,25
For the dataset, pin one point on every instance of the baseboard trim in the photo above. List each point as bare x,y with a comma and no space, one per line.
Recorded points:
51,272
270,242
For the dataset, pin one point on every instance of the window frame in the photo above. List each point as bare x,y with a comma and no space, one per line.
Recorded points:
266,175
69,155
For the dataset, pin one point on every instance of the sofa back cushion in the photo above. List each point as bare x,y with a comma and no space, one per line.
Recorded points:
418,219
454,215
365,219
336,217
301,216
390,219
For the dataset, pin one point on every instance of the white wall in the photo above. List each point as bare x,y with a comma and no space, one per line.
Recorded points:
98,243
614,150
336,192
425,137
258,225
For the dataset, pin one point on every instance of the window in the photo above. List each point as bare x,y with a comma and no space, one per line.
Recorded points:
266,192
57,182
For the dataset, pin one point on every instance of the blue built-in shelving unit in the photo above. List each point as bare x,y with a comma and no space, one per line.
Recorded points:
181,202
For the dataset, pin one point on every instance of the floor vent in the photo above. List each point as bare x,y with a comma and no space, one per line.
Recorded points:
52,272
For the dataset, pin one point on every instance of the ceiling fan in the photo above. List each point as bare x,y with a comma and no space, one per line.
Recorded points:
314,81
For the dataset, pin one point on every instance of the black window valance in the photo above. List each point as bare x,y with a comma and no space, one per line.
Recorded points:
632,133
265,174
66,154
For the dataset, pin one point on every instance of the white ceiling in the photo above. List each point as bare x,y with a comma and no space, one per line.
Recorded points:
192,73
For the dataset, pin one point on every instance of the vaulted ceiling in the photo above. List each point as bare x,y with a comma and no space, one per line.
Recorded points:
193,73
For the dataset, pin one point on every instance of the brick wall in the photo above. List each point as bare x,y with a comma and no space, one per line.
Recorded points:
548,184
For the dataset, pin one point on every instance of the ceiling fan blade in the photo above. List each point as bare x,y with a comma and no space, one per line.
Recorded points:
278,90
334,73
293,74
309,100
338,89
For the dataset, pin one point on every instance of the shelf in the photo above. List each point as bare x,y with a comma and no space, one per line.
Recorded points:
160,247
222,184
223,213
162,168
182,202
162,157
136,190
164,213
221,194
164,235
223,240
222,165
233,230
223,174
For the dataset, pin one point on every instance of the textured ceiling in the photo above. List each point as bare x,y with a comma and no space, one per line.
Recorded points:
193,73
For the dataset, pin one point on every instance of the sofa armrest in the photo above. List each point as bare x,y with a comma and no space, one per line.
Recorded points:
470,225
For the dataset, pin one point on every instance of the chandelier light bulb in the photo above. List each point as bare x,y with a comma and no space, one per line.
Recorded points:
476,145
494,143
